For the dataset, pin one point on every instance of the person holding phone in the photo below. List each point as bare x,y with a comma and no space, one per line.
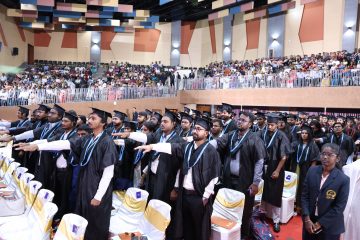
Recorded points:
324,197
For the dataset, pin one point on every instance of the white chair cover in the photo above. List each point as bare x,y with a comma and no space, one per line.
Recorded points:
117,198
155,220
5,165
288,197
36,224
130,212
32,190
290,184
72,227
229,204
8,176
7,150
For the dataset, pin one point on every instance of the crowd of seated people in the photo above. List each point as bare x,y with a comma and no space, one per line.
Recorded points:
52,81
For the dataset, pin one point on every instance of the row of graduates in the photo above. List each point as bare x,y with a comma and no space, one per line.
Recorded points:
192,160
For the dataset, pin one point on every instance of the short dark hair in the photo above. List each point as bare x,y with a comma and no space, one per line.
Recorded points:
333,146
84,127
150,125
250,115
216,120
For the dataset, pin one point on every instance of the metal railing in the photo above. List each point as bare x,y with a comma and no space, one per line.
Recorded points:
49,96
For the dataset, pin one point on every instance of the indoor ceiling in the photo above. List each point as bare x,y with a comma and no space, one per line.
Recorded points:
187,10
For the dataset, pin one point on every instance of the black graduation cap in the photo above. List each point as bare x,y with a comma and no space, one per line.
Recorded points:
43,107
203,122
59,109
187,110
24,110
148,112
143,113
260,115
184,115
101,113
331,117
171,115
157,115
70,116
195,112
283,117
272,118
119,114
291,115
227,107
306,128
206,114
130,124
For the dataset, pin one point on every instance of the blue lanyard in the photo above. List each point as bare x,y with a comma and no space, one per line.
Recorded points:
115,131
298,158
121,153
162,140
138,157
47,131
233,149
342,138
72,132
292,129
225,129
90,146
20,124
271,140
188,154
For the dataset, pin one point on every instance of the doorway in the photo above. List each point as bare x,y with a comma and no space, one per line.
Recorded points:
30,54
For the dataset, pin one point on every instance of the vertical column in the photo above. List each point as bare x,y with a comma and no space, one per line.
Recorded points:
95,50
227,41
349,25
175,43
275,36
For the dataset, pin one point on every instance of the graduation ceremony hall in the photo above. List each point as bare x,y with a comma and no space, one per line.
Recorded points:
179,120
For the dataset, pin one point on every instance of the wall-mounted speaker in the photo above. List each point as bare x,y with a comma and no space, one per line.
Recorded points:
15,51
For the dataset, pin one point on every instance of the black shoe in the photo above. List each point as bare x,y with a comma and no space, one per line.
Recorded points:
276,227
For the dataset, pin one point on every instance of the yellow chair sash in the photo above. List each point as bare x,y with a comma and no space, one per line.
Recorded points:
67,233
133,205
290,184
120,194
228,204
156,219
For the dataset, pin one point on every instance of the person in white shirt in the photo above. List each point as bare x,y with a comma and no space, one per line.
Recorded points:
3,97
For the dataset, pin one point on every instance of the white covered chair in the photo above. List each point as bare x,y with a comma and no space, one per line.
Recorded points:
155,220
71,227
8,168
117,198
31,191
34,225
130,212
258,196
7,150
288,197
229,204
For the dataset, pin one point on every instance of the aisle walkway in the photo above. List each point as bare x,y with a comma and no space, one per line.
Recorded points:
290,231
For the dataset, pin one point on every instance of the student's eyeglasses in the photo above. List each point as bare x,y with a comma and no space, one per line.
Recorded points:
197,129
324,154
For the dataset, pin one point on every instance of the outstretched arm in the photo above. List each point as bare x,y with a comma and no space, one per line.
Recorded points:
47,146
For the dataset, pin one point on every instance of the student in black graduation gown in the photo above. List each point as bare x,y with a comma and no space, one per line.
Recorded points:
346,143
186,125
226,114
260,122
277,146
195,186
45,164
216,129
156,119
285,128
23,124
142,117
117,123
243,167
124,166
306,154
96,154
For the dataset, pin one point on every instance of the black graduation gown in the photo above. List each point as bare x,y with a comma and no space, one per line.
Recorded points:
279,148
251,150
62,177
347,146
16,128
46,164
231,126
124,166
305,156
207,168
32,158
104,155
166,171
183,133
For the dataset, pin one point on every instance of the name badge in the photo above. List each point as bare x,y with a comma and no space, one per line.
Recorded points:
75,229
138,194
330,194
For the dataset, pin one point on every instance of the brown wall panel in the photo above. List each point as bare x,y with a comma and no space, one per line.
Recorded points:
187,29
3,36
69,40
41,39
252,34
312,22
212,36
146,40
106,39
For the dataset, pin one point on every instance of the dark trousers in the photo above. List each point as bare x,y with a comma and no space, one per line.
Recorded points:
248,207
193,213
320,236
62,190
